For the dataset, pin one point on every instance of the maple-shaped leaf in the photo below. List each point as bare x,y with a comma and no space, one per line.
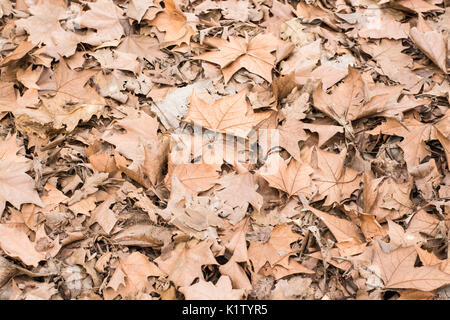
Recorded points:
285,267
104,16
237,245
131,277
142,46
275,249
385,198
8,99
16,186
424,223
239,190
399,238
393,62
292,176
291,132
230,114
185,262
397,270
103,215
43,26
117,60
204,290
16,244
22,49
418,6
140,130
9,150
415,134
66,101
196,177
174,23
255,55
346,232
334,180
350,100
193,215
431,42
137,8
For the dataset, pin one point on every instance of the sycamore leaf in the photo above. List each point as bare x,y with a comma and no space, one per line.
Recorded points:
424,223
103,215
285,267
66,102
174,23
131,277
292,177
184,264
334,180
230,114
22,49
253,55
16,186
140,130
393,62
8,99
351,100
397,270
399,238
104,16
385,198
240,190
203,290
44,20
9,150
137,8
237,245
142,46
196,177
273,250
16,244
346,232
415,135
291,132
431,42
418,6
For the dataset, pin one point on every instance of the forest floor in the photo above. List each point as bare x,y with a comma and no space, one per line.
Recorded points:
229,149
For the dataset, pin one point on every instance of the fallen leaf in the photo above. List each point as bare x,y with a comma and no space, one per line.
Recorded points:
397,270
229,115
253,55
184,264
203,290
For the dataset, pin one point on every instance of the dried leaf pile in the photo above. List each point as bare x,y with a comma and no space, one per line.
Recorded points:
99,99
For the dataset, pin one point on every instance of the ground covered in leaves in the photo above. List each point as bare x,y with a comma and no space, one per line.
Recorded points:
100,100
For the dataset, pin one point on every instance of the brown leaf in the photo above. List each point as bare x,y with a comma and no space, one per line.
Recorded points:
397,270
184,264
292,177
104,16
22,49
230,114
203,290
431,42
254,55
334,180
16,244
174,23
131,277
273,250
16,186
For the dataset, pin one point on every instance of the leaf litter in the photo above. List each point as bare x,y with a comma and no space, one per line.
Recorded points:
99,101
